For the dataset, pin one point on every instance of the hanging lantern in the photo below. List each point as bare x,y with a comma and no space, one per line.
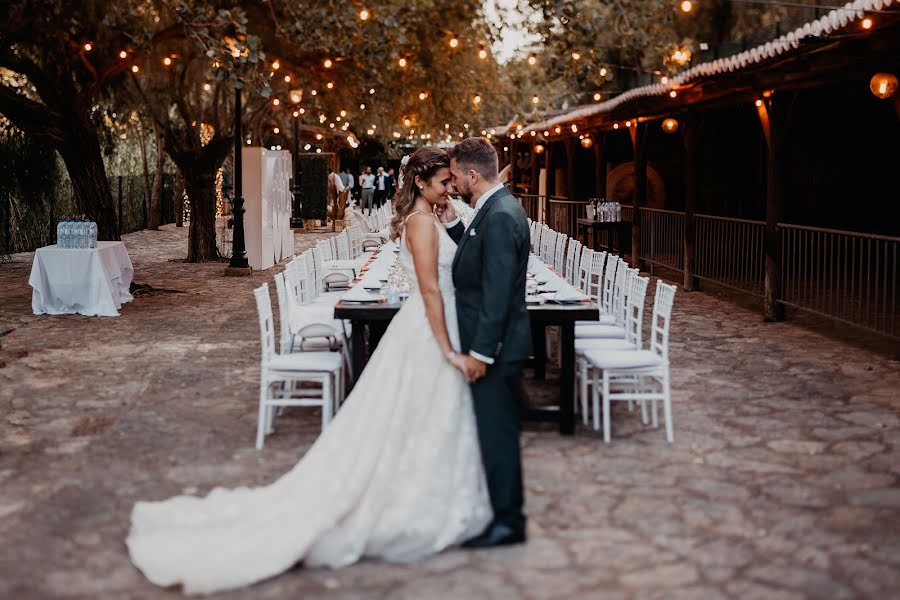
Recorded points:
883,85
586,142
670,125
539,149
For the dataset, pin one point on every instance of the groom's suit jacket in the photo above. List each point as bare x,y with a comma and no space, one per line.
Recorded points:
489,273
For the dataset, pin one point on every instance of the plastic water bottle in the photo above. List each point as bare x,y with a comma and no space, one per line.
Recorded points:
59,234
79,234
66,238
93,234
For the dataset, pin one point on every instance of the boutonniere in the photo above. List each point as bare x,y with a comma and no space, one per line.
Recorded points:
472,232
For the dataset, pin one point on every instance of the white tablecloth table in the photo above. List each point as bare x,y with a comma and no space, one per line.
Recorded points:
93,282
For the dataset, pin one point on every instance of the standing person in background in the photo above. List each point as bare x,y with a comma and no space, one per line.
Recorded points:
347,180
390,185
380,187
367,185
335,198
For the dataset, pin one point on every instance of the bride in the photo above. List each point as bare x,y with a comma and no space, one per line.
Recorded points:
397,475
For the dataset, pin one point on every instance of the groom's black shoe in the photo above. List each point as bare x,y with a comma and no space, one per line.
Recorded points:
497,534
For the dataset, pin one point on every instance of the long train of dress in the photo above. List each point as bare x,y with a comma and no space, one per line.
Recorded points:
397,475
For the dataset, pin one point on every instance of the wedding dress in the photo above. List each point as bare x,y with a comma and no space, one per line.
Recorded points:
397,475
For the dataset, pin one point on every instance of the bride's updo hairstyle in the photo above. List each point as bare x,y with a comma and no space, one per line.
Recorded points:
423,163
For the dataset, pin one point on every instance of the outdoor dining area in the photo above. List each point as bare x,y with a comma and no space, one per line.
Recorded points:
593,301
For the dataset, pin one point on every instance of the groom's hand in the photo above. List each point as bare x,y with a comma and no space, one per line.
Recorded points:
474,368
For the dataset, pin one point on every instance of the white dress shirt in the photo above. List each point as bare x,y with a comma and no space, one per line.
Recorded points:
479,204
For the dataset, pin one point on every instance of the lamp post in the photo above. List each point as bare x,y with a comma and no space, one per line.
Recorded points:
297,216
238,265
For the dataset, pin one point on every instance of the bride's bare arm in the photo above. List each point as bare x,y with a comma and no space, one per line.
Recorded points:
422,237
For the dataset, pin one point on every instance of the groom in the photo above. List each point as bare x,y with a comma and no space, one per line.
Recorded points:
489,274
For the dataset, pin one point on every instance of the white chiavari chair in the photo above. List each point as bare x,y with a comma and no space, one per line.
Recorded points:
281,374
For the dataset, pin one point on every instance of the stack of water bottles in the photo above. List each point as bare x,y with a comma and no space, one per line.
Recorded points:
76,232
607,212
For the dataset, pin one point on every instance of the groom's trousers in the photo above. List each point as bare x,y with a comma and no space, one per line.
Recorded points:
496,398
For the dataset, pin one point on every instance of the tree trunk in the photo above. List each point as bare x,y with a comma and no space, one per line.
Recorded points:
84,164
201,191
178,200
153,218
146,172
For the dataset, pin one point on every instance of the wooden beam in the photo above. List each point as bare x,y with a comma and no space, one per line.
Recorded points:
600,163
639,139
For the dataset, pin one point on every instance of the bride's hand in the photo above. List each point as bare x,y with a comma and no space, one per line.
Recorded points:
460,363
445,213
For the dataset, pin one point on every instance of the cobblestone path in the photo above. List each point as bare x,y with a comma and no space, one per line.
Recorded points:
782,482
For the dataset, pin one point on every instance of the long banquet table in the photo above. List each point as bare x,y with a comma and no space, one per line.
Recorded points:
375,316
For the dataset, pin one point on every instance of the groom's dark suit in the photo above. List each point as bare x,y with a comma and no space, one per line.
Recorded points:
489,274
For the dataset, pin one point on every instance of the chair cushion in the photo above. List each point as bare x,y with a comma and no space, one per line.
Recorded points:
306,361
599,331
623,359
584,344
604,320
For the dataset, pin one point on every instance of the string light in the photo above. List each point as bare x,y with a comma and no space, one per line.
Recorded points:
539,148
287,78
295,96
296,114
535,100
597,97
364,15
371,91
664,80
546,133
88,47
670,125
135,69
454,42
883,85
313,93
206,87
328,64
482,53
362,107
576,56
402,62
627,123
532,59
422,95
302,110
574,128
167,61
615,125
672,94
276,65
687,6
681,56
276,101
533,133
603,71
319,136
330,85
476,100
586,142
123,54
758,103
276,130
867,23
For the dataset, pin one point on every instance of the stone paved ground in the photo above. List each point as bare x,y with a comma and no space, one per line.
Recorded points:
782,482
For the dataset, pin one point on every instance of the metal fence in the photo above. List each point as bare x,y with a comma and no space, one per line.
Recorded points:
562,214
662,237
847,276
730,252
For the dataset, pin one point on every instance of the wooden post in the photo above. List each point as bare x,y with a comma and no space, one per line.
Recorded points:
551,185
774,116
639,142
690,133
600,164
121,219
512,166
570,168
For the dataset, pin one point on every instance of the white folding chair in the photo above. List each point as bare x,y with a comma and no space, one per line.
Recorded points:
573,253
559,254
282,374
641,375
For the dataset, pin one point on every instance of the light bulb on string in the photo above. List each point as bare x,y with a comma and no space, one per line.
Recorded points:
867,23
476,100
687,6
603,71
670,125
532,59
135,69
371,91
672,94
664,80
576,56
482,53
123,54
276,130
422,95
276,65
287,78
276,101
364,15
535,100
296,114
330,85
328,63
454,43
362,107
313,93
88,46
401,62
167,61
206,87
597,97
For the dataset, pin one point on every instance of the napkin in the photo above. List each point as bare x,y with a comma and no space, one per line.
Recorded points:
359,294
568,294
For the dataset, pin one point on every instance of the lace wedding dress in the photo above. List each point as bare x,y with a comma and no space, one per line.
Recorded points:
397,475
